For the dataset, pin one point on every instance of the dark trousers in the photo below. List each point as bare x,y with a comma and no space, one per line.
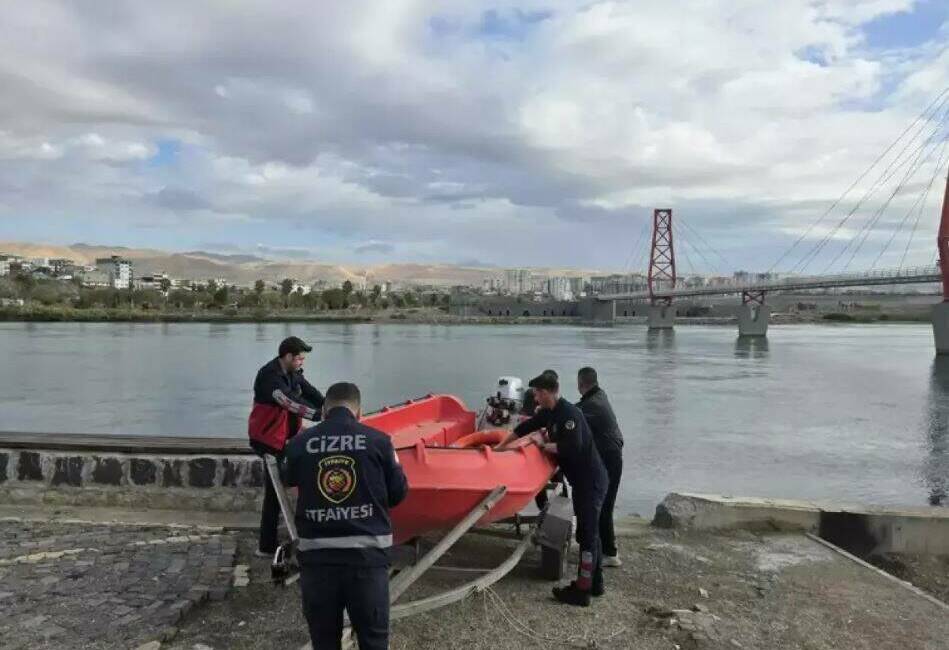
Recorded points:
586,506
362,591
614,470
269,516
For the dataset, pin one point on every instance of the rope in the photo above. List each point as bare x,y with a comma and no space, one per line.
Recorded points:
857,181
884,176
574,640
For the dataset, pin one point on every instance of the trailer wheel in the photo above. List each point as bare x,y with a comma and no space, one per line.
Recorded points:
553,561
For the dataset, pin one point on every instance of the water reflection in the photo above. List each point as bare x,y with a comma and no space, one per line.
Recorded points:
664,339
751,347
936,467
218,330
260,332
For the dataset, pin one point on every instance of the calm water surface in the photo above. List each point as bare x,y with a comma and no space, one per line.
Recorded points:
855,413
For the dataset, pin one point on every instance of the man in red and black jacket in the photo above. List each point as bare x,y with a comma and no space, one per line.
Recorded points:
282,399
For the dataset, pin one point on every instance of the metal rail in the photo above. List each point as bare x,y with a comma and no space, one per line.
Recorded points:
916,275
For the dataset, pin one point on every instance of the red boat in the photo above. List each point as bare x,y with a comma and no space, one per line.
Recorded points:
450,470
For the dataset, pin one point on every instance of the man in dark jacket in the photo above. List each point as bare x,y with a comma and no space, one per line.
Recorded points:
609,443
282,399
572,443
348,476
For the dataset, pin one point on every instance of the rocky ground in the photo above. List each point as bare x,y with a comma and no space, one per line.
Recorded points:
674,590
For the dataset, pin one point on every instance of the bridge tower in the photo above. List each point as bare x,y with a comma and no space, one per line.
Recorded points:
941,311
662,270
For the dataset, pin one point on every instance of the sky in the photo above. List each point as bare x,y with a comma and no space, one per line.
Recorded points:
479,133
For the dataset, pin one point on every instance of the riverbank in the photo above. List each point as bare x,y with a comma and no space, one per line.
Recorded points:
151,586
420,316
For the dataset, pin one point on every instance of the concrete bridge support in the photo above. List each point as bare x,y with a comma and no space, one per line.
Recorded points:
661,317
941,327
753,319
598,311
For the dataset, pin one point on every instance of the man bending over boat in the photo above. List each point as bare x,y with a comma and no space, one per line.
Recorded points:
282,398
572,442
348,476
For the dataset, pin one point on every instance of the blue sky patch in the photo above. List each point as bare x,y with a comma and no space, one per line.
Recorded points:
909,28
167,154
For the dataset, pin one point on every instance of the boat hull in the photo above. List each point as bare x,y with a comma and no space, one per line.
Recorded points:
446,483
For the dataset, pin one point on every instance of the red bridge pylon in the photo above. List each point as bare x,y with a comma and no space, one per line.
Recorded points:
662,259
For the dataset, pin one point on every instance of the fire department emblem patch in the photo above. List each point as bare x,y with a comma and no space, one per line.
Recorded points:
337,478
570,425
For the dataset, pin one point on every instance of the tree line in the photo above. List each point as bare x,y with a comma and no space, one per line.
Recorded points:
210,296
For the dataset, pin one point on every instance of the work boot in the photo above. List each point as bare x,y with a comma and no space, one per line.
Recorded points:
570,595
597,590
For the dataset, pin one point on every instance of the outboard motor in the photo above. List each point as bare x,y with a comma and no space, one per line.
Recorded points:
506,401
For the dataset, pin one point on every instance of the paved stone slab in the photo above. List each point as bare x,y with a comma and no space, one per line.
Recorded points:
105,586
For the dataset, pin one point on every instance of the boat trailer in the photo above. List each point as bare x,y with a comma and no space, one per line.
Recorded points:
551,530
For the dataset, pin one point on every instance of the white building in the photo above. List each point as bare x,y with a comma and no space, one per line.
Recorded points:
559,288
4,266
119,270
517,281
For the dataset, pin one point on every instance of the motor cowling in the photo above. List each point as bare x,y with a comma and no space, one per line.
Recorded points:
506,401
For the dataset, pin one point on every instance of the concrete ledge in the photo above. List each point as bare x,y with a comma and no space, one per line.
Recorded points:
862,530
173,481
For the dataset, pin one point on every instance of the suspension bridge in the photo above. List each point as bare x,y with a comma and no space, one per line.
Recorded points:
900,179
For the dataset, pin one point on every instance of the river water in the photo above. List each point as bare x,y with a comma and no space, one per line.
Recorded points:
856,413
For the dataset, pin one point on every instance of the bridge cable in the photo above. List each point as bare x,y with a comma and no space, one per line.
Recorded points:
918,162
889,171
884,176
879,158
635,247
708,246
698,251
920,202
685,251
939,166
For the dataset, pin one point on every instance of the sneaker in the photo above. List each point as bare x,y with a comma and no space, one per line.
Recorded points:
570,595
259,553
612,561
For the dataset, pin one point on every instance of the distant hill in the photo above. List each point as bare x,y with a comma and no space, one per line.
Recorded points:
246,269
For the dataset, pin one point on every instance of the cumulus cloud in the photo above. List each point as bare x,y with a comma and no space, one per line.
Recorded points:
509,132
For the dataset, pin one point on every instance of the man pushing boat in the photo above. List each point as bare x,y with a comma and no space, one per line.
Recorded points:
571,441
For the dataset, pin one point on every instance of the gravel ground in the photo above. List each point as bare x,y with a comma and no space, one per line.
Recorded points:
752,591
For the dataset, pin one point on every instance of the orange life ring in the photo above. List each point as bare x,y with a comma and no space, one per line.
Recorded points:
479,438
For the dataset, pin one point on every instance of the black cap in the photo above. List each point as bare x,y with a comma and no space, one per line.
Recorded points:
545,381
293,345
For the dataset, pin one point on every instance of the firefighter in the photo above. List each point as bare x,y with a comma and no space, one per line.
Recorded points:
571,441
348,477
282,399
608,439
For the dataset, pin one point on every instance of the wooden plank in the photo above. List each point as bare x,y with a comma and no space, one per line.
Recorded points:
288,515
408,576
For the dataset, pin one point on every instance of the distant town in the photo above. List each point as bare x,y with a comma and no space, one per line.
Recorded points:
108,287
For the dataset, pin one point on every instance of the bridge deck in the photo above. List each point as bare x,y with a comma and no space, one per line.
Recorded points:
920,275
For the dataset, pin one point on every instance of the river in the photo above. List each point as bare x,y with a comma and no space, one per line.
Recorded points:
855,413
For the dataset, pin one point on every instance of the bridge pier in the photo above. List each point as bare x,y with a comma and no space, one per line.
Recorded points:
753,319
661,317
941,327
598,311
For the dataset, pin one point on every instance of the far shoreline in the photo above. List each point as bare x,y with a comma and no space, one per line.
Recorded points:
411,316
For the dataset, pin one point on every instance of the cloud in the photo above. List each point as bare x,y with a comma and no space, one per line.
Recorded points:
374,247
515,133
